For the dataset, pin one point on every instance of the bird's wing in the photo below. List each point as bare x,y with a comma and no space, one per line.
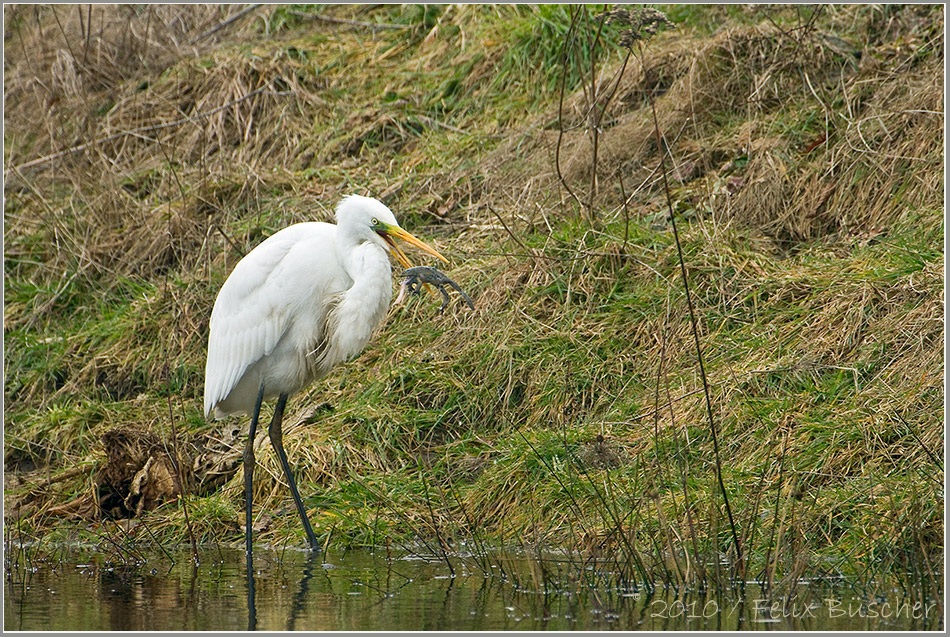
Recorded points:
249,317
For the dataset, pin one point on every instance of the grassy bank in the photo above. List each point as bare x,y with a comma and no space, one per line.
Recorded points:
804,166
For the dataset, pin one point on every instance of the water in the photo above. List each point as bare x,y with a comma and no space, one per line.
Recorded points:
362,590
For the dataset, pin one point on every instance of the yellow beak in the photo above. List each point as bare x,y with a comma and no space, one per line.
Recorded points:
395,232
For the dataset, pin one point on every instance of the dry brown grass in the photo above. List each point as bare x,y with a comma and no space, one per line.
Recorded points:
874,130
57,55
878,148
162,145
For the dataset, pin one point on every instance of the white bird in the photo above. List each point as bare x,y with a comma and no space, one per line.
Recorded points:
306,299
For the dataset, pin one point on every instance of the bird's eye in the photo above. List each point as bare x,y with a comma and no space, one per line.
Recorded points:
375,221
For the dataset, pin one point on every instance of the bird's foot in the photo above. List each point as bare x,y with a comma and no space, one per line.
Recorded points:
415,278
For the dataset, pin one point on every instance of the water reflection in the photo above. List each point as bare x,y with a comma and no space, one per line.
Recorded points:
312,561
358,590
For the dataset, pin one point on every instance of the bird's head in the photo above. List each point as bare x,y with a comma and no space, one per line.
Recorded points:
369,218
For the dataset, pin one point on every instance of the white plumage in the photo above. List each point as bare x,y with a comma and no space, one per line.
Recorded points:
304,300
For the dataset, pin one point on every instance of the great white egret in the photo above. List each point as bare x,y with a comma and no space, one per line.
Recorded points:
304,300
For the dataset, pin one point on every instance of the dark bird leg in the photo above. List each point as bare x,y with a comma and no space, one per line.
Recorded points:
248,515
277,441
249,477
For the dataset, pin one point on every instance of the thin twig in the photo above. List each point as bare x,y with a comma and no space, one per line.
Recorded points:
237,16
933,457
695,328
684,463
512,234
568,39
595,114
768,576
435,526
626,213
